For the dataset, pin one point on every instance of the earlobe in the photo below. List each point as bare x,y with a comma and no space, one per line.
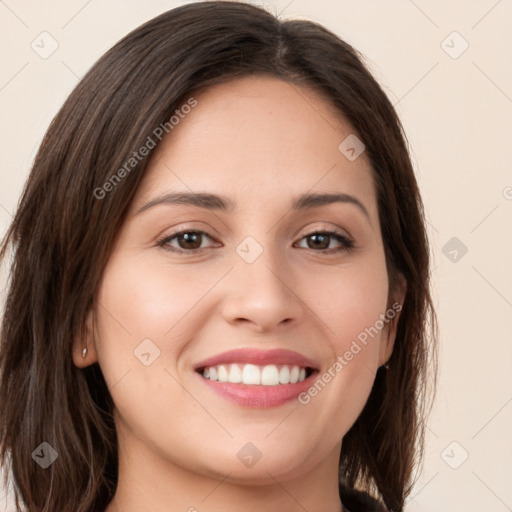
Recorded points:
84,345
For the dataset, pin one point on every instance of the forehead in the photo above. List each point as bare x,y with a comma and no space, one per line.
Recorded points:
259,140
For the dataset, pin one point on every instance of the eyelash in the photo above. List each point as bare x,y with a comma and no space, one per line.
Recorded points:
347,243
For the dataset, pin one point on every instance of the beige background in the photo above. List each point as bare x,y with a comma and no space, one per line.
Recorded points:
457,113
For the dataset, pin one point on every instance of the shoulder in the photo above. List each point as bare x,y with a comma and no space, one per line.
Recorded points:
359,501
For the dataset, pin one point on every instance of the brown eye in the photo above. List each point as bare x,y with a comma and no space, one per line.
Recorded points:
192,241
321,240
187,241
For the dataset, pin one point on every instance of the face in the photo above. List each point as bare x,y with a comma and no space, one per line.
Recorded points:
187,282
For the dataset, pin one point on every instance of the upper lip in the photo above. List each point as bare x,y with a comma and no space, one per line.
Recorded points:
258,357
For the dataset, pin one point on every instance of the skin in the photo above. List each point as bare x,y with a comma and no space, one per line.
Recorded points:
261,142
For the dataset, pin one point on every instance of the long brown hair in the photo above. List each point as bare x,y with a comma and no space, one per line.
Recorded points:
62,235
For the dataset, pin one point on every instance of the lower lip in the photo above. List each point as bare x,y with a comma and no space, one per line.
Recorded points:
259,396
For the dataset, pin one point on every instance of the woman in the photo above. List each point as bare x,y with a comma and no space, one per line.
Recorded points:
219,296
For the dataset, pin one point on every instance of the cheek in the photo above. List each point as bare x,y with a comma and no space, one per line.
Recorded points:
350,302
142,328
146,316
137,310
140,300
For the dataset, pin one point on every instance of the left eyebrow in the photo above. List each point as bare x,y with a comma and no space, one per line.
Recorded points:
306,201
224,204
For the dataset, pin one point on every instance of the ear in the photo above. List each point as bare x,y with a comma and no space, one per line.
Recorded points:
395,304
85,340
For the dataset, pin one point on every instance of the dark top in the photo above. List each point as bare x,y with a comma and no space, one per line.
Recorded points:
358,501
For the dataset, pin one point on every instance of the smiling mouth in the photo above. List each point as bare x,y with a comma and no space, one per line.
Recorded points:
256,375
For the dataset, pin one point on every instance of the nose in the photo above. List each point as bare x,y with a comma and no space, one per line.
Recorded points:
263,295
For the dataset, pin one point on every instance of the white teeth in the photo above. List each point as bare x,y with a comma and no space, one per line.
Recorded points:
270,375
294,375
284,375
223,373
235,374
250,374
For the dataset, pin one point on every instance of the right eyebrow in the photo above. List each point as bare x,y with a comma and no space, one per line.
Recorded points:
200,200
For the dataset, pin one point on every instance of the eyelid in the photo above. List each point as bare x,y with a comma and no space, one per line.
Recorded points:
325,228
168,237
346,240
